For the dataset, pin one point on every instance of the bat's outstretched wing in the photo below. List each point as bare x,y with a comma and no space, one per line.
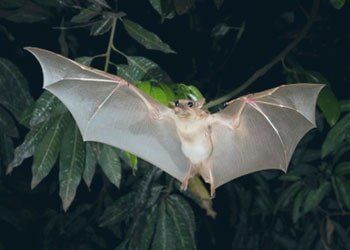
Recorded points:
260,131
108,109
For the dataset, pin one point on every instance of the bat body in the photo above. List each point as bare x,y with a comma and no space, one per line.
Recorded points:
254,132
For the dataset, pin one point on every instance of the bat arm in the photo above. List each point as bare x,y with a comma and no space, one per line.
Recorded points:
227,121
157,111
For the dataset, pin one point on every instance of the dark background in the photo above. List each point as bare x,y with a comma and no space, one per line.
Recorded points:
215,66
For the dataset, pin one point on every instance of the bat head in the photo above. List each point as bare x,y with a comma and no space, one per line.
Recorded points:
187,108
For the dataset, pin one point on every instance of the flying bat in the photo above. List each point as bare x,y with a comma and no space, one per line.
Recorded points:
254,132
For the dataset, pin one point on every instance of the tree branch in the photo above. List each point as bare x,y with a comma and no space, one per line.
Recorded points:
260,72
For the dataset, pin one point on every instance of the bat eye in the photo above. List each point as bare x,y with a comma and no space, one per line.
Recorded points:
190,104
177,103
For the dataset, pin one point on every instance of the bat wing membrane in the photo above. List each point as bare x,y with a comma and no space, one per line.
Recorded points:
109,110
261,131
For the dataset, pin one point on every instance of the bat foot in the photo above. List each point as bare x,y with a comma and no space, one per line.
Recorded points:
184,185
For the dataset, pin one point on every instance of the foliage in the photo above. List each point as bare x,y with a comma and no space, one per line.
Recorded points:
125,203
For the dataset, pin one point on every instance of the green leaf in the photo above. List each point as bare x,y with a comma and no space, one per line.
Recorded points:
148,231
86,14
72,157
182,6
102,3
29,12
101,27
326,101
132,159
343,168
110,164
184,91
7,124
329,105
344,190
344,105
90,164
6,149
145,37
297,205
336,136
14,94
337,4
158,94
183,220
164,235
47,152
145,69
288,195
46,107
314,197
161,92
85,60
120,210
337,192
31,141
164,8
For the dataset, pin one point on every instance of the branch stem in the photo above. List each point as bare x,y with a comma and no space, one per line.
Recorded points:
262,71
110,45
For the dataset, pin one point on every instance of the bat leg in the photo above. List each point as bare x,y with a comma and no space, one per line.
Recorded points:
189,175
207,175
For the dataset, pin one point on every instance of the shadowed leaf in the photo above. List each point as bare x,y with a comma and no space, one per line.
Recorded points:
145,37
72,157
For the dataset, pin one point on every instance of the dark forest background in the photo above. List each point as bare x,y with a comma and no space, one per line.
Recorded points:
218,49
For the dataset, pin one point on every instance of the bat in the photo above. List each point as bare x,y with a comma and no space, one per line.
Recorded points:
254,132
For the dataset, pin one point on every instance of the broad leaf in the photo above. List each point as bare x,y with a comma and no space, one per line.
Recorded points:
14,94
144,69
6,149
164,235
149,229
31,141
72,157
336,136
29,12
46,107
164,8
288,195
7,124
120,210
343,188
47,152
343,168
314,197
297,205
90,164
145,37
337,4
326,101
329,105
184,91
183,220
101,3
101,27
110,164
86,15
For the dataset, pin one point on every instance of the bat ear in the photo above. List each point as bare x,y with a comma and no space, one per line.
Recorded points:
200,103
